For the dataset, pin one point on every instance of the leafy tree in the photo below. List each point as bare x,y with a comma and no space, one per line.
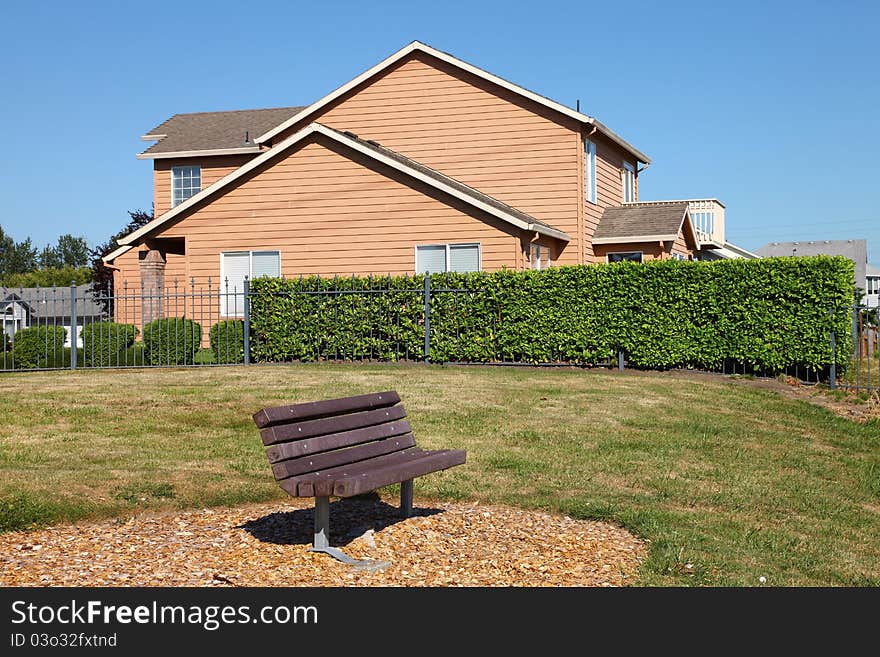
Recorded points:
60,276
70,251
102,275
16,257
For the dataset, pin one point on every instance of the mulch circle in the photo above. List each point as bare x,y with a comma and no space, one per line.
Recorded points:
443,544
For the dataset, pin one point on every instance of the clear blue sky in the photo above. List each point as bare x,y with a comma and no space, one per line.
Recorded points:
769,106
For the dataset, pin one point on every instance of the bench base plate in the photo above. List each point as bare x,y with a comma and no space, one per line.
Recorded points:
368,565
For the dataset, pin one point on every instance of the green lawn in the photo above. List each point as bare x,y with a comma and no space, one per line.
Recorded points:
728,481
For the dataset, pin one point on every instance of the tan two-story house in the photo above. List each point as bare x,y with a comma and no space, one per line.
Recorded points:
421,163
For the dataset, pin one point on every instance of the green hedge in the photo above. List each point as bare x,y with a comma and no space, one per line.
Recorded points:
103,342
172,341
227,341
38,346
768,314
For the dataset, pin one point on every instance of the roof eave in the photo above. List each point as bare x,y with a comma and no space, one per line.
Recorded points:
115,253
146,155
629,239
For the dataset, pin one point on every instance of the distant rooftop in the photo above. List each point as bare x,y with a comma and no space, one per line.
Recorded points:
855,249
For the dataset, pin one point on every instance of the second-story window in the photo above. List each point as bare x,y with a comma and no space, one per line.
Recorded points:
185,182
590,177
629,183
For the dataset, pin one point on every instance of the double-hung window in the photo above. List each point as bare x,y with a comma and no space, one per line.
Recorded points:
234,267
590,170
539,256
185,182
439,258
629,183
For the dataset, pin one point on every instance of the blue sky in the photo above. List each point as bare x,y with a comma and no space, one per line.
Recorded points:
768,106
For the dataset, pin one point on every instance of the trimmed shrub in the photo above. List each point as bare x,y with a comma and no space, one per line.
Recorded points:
769,314
103,342
136,354
172,341
227,341
39,346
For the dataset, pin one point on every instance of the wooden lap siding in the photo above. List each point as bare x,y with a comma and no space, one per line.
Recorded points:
609,190
333,212
214,167
507,147
681,247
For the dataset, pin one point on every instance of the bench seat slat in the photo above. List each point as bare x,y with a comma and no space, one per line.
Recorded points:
390,473
336,424
338,457
297,448
268,417
363,476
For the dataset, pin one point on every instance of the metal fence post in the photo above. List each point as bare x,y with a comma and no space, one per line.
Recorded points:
247,321
72,327
427,316
833,373
620,360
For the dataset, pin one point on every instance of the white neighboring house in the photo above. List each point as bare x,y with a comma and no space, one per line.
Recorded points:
872,286
22,308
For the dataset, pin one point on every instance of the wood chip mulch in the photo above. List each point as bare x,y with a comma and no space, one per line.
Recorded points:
443,544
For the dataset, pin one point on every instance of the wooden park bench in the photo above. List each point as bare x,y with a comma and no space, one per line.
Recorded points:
344,447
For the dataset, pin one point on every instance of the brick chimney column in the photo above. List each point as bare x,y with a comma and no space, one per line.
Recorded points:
153,281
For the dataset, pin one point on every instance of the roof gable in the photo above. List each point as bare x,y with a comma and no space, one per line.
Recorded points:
304,113
409,167
644,222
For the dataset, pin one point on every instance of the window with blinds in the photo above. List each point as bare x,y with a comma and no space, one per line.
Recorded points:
590,174
439,258
629,183
234,267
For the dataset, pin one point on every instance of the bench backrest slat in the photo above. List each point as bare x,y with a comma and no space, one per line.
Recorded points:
268,417
337,457
333,424
296,448
305,441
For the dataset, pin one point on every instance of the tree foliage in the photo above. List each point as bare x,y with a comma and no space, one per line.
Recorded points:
102,275
69,251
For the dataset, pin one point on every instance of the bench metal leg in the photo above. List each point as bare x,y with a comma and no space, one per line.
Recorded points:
322,523
406,498
321,541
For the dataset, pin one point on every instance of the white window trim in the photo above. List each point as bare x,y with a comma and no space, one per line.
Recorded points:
222,288
184,166
627,167
590,172
450,244
611,253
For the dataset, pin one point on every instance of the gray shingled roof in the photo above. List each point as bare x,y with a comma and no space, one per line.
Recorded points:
855,250
440,177
49,302
203,131
644,219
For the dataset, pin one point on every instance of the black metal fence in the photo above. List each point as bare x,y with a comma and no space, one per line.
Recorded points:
204,325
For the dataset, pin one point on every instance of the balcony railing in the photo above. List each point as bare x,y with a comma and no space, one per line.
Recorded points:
707,216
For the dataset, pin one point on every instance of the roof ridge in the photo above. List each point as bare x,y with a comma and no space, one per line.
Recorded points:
238,111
